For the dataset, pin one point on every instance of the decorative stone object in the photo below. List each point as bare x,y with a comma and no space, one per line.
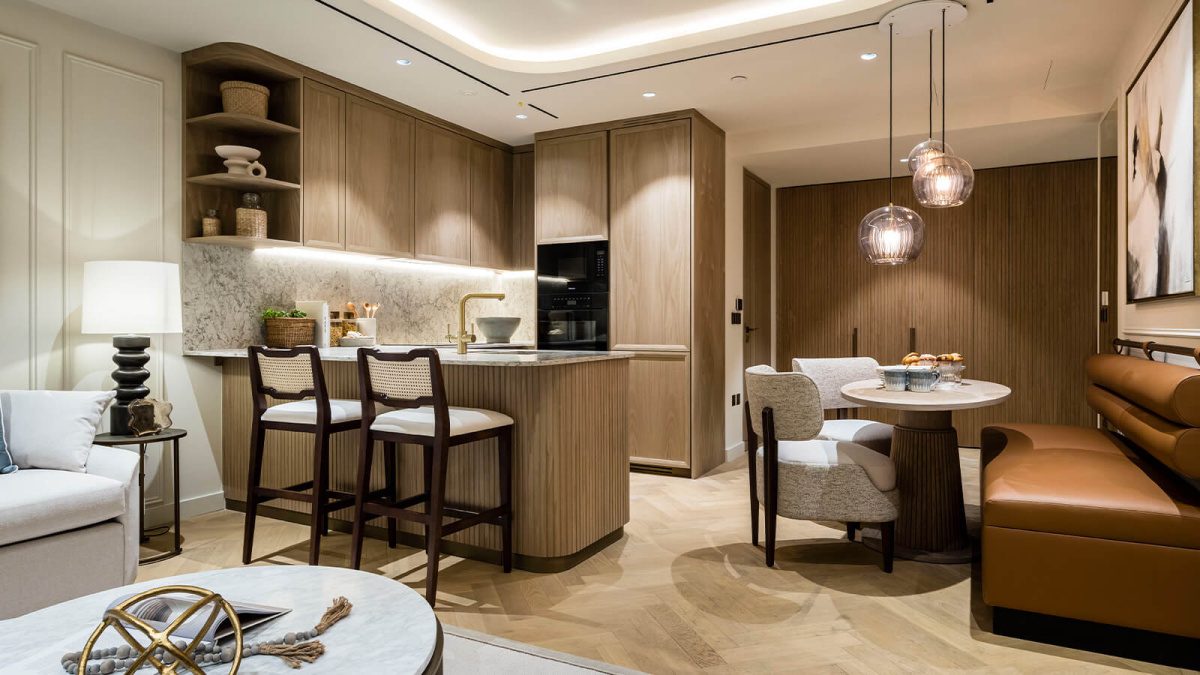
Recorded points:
148,416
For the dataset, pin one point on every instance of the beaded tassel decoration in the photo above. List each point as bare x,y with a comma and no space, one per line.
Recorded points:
293,648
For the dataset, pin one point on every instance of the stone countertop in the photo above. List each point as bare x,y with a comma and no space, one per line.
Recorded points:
449,357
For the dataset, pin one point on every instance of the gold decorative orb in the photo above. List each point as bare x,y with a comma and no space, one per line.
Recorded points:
119,618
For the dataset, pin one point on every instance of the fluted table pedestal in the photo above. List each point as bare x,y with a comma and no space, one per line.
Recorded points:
932,525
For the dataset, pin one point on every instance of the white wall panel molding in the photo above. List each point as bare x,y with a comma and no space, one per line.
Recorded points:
18,207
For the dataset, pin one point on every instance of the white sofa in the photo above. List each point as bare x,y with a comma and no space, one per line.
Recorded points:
64,534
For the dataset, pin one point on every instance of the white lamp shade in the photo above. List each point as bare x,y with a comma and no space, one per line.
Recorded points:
131,296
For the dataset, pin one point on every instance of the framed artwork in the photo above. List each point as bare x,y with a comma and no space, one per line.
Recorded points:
1161,238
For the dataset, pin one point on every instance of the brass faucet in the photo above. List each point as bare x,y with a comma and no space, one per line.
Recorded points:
464,338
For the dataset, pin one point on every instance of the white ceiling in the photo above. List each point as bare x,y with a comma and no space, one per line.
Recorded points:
805,102
556,36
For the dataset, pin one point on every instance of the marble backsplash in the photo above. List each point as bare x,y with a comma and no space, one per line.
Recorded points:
226,289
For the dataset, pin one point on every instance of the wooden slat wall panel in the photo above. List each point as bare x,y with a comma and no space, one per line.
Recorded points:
1009,280
570,464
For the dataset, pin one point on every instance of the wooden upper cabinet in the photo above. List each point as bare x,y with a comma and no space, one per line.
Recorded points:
443,195
524,244
571,188
379,179
491,207
324,140
650,242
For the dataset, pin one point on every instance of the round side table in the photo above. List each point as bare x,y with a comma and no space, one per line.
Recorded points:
172,436
932,526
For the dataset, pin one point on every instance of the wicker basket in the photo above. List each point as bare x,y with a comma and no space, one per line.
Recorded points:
245,98
251,223
288,332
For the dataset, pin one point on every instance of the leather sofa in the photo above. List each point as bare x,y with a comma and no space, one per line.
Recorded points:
65,534
1096,525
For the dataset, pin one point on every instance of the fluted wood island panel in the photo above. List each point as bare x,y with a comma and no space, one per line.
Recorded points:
570,463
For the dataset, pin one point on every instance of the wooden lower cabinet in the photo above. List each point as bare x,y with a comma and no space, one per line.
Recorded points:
379,179
660,410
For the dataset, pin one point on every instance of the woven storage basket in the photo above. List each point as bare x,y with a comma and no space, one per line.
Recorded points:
288,332
251,223
245,98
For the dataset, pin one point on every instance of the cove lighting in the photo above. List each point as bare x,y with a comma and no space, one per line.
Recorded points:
869,56
649,94
404,62
437,14
368,260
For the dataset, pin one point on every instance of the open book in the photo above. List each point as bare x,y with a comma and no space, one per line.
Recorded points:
160,611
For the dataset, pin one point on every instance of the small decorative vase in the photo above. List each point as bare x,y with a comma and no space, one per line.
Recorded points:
211,224
251,218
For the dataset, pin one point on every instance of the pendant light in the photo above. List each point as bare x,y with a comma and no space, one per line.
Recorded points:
947,180
932,148
891,235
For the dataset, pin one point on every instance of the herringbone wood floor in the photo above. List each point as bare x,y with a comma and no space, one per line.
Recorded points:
684,591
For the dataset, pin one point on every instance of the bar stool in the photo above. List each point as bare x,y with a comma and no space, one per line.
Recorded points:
295,375
411,384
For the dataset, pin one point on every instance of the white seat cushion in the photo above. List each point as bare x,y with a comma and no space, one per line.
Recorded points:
419,421
38,502
879,469
874,435
305,412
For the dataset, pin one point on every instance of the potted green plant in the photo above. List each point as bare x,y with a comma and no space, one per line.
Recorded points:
288,329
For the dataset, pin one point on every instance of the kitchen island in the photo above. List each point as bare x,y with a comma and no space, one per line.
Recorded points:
570,458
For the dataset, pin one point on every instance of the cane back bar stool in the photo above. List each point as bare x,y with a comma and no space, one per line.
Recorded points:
801,475
833,374
295,375
411,384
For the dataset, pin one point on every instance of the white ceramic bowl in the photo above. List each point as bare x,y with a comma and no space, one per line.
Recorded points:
498,329
237,152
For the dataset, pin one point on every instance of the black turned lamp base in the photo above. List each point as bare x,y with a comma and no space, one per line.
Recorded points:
130,376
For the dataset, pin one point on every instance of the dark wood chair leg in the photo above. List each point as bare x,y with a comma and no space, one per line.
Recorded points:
319,495
505,447
427,482
257,443
770,480
389,468
752,459
888,535
850,530
362,488
433,542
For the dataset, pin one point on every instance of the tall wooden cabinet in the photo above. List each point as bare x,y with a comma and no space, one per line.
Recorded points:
524,247
665,192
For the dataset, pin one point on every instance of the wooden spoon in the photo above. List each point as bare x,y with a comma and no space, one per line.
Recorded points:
350,306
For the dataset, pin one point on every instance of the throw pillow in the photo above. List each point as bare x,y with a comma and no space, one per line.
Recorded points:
6,463
53,429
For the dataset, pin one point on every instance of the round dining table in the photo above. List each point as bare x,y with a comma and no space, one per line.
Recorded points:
932,522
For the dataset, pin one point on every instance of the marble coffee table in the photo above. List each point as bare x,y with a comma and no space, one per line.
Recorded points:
391,628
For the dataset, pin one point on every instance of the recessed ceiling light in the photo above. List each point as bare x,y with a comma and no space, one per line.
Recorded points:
903,159
467,92
649,94
404,62
869,56
738,79
522,116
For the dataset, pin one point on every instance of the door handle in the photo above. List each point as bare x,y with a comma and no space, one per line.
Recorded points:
749,329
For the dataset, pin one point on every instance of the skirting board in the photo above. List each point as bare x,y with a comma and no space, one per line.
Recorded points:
734,451
162,513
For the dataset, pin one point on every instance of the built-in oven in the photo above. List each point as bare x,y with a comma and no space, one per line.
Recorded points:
573,296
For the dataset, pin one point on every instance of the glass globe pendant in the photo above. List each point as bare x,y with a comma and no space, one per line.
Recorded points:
925,151
944,182
891,235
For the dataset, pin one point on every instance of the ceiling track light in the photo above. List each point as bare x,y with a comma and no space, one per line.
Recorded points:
891,235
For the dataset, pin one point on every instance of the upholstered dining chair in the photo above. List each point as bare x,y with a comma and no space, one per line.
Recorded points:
797,474
831,375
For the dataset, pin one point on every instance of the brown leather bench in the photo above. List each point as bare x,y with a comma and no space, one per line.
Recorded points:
1096,525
